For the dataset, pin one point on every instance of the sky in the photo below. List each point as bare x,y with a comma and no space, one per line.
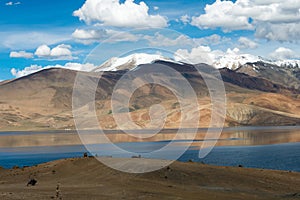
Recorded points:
38,34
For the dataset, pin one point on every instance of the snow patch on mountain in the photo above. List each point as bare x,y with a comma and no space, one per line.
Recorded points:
288,63
131,62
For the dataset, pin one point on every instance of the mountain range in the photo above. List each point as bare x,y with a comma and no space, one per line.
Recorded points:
229,60
259,92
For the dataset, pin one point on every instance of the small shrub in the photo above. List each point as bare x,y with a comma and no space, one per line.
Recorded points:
16,167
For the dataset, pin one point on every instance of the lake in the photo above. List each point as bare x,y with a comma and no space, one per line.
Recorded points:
255,147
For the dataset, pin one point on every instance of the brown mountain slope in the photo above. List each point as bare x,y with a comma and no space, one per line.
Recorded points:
284,75
44,100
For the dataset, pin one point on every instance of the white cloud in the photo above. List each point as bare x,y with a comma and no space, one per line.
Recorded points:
155,7
82,34
114,13
35,68
43,51
91,36
201,54
26,71
245,43
272,19
222,14
20,54
60,52
10,3
185,19
281,32
282,53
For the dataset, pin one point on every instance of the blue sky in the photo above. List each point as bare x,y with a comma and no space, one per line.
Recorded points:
36,34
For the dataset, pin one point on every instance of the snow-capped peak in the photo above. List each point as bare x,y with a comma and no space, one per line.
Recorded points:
131,62
233,60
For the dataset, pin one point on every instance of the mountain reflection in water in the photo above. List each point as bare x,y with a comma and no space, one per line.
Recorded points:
240,136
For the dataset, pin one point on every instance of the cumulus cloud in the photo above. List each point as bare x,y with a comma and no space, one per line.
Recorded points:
201,54
222,14
43,51
114,13
282,53
274,20
35,68
60,52
245,43
20,54
90,36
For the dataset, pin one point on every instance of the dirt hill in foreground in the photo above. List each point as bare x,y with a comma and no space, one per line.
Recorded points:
86,178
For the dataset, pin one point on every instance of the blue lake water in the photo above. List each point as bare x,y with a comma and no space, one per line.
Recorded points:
276,156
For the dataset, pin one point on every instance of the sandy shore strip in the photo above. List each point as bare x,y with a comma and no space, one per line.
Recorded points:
87,178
